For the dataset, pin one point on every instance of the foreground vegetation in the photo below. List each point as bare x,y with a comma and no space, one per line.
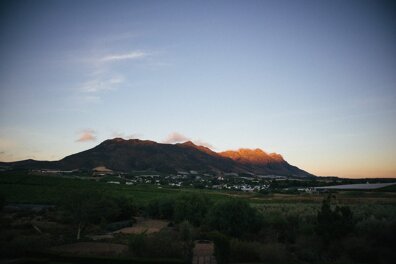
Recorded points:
343,227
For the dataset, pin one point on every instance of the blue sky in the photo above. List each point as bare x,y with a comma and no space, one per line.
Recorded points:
311,80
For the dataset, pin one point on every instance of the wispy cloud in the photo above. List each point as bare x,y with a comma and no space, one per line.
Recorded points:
87,135
203,143
176,137
124,56
130,136
102,73
103,77
101,84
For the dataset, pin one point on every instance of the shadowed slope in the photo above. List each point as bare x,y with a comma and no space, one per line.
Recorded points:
127,155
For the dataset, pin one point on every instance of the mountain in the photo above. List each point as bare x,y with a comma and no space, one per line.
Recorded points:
263,163
127,155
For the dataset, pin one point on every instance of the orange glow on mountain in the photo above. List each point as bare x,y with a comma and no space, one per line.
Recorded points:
252,156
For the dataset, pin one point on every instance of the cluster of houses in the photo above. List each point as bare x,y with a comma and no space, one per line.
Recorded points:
195,179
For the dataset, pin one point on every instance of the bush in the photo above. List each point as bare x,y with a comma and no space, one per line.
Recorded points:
191,207
274,253
334,223
161,208
2,201
359,250
308,248
126,208
280,228
222,246
164,244
137,244
244,251
86,208
186,236
19,245
234,217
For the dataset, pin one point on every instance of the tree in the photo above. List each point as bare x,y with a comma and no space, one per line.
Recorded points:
333,221
126,208
161,208
234,217
137,243
89,208
222,247
2,201
186,236
191,207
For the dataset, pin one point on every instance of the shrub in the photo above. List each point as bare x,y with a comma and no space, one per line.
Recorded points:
186,234
164,244
222,246
126,208
274,253
244,251
248,251
137,244
191,207
234,217
86,208
308,248
161,208
334,223
2,201
359,250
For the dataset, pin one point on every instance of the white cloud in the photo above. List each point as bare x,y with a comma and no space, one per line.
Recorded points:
125,56
103,77
87,135
130,136
101,84
175,137
203,143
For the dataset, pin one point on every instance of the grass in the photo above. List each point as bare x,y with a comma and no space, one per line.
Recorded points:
280,211
63,259
24,188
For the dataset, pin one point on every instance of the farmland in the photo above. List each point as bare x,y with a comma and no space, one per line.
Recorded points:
24,188
275,227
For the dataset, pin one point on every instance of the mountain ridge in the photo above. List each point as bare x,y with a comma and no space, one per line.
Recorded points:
126,155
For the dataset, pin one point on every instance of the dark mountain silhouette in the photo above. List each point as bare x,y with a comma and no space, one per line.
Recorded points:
134,154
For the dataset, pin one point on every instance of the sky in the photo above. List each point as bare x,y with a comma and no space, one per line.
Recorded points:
312,80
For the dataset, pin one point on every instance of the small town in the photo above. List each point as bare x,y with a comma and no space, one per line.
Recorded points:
263,184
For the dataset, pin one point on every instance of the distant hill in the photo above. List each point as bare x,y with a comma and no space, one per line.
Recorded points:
127,155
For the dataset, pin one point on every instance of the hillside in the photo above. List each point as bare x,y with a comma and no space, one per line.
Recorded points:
127,155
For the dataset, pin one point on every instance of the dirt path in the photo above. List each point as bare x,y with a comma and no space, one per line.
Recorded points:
142,225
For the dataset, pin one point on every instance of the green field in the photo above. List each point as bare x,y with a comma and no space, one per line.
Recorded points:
257,228
24,188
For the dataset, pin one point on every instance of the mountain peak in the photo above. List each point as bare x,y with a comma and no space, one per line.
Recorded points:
189,143
123,155
118,139
252,156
